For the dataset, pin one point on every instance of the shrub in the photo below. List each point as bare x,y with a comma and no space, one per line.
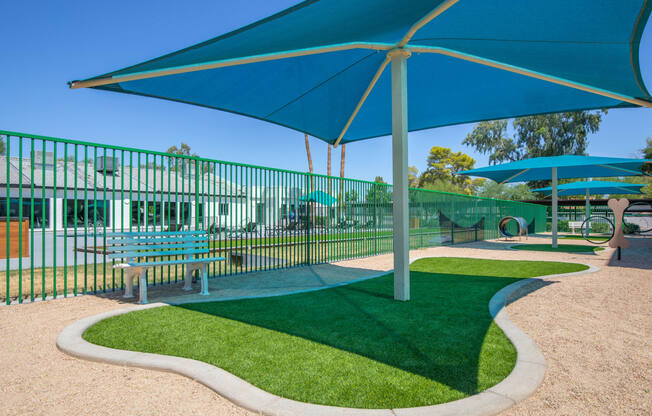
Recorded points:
629,228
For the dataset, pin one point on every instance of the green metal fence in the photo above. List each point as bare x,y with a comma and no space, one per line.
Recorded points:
58,198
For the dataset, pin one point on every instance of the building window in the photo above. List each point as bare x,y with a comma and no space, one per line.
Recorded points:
86,213
150,213
224,208
41,208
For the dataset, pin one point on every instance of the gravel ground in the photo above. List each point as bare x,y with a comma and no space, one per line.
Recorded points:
594,330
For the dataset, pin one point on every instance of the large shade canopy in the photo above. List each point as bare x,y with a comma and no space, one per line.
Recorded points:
319,68
555,167
593,188
471,60
540,168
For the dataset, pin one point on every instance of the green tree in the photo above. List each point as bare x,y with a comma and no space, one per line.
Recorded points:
351,196
413,176
647,154
184,164
379,194
3,149
535,136
491,189
443,164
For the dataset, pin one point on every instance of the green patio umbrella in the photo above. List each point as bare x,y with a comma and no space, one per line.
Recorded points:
319,68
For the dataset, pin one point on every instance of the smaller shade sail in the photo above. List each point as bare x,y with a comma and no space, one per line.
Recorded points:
594,188
568,166
319,197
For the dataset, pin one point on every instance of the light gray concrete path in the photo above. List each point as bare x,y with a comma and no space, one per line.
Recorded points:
524,379
264,284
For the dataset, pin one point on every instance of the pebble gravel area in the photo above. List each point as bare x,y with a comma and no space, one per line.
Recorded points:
595,331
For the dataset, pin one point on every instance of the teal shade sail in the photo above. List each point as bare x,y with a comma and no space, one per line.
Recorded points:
568,166
594,188
308,67
320,197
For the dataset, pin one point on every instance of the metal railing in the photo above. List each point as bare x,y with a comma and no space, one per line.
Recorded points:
59,197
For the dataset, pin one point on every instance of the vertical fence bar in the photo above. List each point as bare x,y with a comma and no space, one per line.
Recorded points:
20,220
94,165
8,206
64,212
31,221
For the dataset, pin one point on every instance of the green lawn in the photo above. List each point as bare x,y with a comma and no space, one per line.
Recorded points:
350,346
561,248
594,237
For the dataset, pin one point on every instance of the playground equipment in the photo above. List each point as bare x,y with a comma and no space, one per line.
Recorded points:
639,214
618,206
602,228
521,227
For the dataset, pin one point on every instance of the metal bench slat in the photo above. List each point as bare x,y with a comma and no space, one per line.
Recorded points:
156,253
151,233
152,240
172,246
185,261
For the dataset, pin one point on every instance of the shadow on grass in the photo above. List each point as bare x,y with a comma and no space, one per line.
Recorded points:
354,345
439,334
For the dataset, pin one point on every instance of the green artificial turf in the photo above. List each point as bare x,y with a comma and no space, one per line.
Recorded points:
561,248
593,237
353,345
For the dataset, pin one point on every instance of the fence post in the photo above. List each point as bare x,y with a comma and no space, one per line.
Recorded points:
308,179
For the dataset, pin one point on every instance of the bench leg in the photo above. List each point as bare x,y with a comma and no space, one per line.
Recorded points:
142,286
204,281
188,278
129,284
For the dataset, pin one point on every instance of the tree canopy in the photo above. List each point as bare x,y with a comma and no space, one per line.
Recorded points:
379,194
491,189
441,171
535,136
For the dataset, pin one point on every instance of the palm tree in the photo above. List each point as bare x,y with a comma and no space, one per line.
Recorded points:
328,167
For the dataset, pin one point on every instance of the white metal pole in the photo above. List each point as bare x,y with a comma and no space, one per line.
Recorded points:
400,212
554,207
588,211
588,204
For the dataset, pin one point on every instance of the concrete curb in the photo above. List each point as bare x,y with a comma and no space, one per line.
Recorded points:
524,379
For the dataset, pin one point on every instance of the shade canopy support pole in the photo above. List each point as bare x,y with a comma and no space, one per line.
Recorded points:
554,207
588,212
588,204
400,207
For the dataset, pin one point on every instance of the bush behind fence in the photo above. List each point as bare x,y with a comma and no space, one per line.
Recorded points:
59,197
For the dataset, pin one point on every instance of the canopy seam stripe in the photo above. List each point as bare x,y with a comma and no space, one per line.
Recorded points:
441,8
634,60
580,42
94,82
230,34
366,93
335,75
624,170
513,176
530,73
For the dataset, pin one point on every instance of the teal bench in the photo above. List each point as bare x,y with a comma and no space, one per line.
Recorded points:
143,250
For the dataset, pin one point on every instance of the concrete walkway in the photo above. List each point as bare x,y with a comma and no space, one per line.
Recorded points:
263,284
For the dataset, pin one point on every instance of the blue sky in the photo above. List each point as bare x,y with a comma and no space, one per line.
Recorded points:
44,44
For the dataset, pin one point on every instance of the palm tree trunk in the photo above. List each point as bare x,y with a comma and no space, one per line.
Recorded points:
312,185
328,168
342,174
